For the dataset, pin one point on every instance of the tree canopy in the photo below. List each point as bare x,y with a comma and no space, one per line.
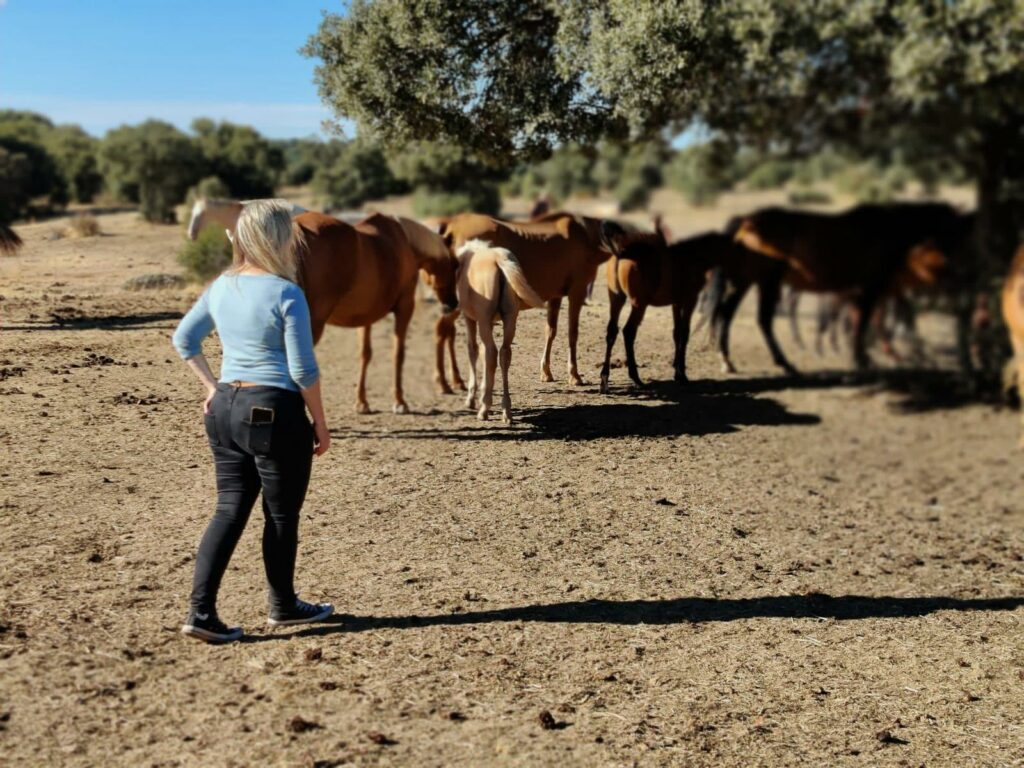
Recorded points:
943,78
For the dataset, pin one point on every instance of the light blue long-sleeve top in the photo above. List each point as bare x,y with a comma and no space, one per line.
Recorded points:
264,328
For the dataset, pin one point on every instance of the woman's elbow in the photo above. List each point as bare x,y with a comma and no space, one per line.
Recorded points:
307,378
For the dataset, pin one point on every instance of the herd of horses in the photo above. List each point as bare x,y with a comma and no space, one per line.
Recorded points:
355,272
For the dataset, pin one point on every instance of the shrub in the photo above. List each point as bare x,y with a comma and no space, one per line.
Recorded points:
83,225
700,172
803,196
482,198
358,173
771,174
153,164
206,256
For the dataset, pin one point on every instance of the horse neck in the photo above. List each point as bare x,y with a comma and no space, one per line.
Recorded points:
224,212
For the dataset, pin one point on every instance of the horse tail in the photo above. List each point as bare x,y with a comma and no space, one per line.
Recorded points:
516,279
711,303
9,240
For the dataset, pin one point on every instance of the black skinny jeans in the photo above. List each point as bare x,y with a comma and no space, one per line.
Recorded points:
248,457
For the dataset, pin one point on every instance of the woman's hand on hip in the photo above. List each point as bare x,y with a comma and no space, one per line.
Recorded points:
210,392
322,438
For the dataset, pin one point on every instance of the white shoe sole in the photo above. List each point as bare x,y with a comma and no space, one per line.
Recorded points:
288,622
210,637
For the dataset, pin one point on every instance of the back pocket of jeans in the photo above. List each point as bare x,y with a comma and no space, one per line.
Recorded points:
258,437
210,424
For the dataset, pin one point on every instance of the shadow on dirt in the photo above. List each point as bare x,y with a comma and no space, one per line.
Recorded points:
81,322
918,390
688,413
685,610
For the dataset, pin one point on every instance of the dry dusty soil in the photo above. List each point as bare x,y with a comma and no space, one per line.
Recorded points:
751,570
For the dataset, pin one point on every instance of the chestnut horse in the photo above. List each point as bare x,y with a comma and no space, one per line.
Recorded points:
559,255
355,275
868,251
1013,315
491,286
646,272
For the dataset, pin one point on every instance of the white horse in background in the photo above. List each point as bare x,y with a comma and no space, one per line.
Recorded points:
491,284
209,210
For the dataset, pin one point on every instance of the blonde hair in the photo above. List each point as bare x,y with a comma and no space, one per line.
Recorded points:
266,238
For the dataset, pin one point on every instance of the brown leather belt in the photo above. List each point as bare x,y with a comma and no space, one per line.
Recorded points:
237,383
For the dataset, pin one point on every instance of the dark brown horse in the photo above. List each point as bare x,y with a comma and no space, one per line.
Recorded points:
867,252
647,272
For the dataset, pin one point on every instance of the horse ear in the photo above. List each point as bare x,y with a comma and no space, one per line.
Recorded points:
613,237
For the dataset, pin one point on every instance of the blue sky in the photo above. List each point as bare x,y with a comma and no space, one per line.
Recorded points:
102,63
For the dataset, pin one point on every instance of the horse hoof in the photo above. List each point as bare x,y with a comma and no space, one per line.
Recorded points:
483,414
400,408
546,376
362,408
460,385
506,417
577,381
728,368
444,389
682,379
604,385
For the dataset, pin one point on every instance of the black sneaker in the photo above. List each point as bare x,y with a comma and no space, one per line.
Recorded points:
301,613
208,628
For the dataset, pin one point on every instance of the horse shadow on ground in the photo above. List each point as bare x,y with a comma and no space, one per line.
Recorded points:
683,610
675,411
917,390
82,322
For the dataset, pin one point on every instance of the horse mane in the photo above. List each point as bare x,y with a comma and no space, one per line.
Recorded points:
424,241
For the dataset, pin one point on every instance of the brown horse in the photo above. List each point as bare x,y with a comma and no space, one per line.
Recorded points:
646,272
869,251
9,240
1013,314
491,286
355,275
559,255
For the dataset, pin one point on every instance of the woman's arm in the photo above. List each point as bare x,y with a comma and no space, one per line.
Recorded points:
311,395
188,341
302,365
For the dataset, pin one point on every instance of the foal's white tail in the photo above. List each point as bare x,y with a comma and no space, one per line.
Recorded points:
513,273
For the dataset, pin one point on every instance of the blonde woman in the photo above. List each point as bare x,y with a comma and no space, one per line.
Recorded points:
255,417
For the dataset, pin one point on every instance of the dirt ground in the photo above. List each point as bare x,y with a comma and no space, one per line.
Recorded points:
750,570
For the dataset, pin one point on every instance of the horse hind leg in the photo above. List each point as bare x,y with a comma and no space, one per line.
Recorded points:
457,381
575,307
474,351
508,334
490,365
554,306
402,317
442,337
629,331
365,355
616,301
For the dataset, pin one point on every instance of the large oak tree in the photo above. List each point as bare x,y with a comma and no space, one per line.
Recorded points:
942,78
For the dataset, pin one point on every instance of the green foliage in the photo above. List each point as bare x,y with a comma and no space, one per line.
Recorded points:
302,158
246,162
481,198
210,187
808,196
15,170
25,133
153,164
206,256
770,174
359,172
480,75
448,179
701,172
75,153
